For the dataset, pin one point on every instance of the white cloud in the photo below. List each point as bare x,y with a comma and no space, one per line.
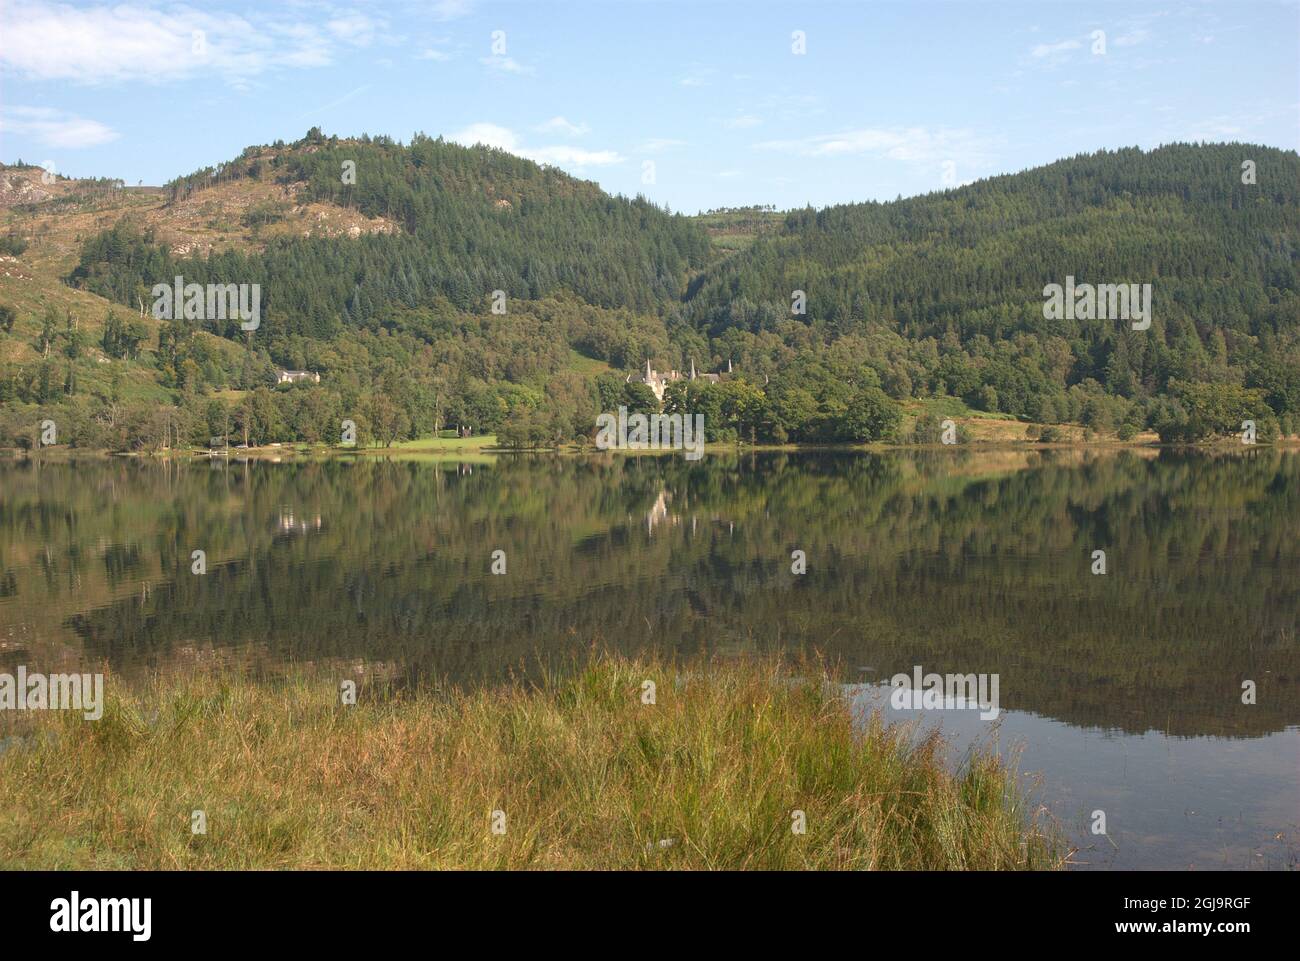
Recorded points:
1218,129
431,54
354,28
559,155
502,64
659,145
451,9
1053,49
909,144
158,44
489,135
562,155
54,128
1134,33
742,122
1132,38
562,125
350,95
698,77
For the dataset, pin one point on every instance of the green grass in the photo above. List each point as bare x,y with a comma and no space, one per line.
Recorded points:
588,777
586,366
442,443
732,231
950,407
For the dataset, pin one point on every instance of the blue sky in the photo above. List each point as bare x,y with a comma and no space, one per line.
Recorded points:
695,104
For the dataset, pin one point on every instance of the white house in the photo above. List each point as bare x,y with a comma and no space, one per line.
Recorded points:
295,376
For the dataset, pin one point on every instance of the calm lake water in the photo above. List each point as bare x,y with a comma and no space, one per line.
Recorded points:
1119,692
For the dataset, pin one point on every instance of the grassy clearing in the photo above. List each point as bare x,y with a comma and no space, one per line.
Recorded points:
439,444
948,407
999,428
588,776
423,445
587,366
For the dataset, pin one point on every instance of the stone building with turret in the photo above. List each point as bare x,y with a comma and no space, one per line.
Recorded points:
658,382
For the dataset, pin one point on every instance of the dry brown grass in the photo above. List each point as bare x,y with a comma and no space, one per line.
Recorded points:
586,774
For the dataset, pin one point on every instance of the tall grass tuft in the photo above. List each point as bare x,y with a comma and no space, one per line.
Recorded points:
588,777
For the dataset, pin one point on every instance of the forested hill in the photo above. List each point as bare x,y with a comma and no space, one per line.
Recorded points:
975,259
472,221
378,261
950,284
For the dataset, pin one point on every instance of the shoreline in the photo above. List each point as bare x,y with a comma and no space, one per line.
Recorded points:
412,449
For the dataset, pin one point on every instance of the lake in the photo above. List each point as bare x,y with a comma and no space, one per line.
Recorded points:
1120,692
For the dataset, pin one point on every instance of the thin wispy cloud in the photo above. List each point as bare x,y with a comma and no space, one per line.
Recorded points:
909,145
1126,33
355,28
499,63
561,125
659,145
450,9
698,77
54,128
1240,125
1054,49
566,156
1132,38
350,95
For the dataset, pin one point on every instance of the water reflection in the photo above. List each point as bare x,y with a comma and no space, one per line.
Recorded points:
960,562
1203,803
